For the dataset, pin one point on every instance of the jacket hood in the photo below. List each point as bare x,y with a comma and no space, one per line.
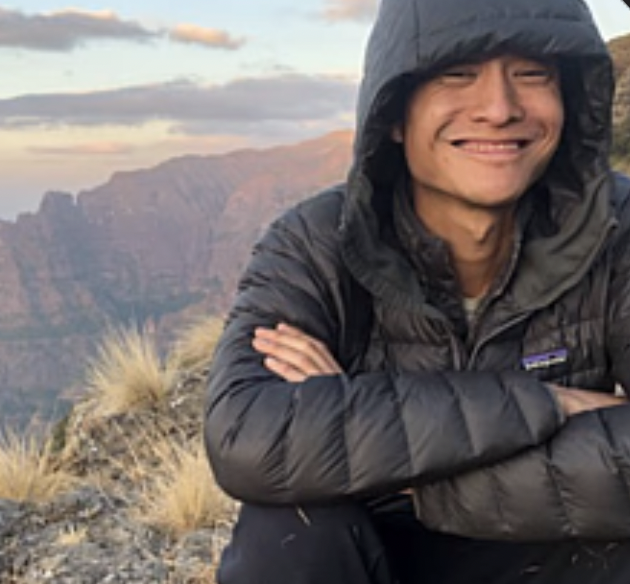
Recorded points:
419,37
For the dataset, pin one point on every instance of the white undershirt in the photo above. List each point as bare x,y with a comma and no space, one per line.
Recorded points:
470,306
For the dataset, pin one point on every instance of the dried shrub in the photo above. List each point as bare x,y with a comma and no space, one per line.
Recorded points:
27,472
195,345
127,374
183,496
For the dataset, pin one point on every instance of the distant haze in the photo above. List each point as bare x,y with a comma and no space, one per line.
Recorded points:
153,248
92,92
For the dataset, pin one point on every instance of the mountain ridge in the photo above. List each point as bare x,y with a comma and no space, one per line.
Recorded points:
148,247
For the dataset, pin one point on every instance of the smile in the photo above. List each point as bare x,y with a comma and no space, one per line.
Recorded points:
490,146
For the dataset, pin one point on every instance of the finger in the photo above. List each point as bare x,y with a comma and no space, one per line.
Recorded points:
290,330
301,351
284,370
317,350
293,357
575,401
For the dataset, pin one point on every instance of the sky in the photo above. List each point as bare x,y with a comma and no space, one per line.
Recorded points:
89,89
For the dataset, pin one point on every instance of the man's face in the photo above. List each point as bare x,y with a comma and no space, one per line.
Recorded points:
481,133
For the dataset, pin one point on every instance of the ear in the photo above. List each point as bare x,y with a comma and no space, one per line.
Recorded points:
397,134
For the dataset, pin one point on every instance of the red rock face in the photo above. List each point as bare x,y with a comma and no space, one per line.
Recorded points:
147,247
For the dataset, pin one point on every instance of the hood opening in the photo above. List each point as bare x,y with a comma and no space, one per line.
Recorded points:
582,154
412,39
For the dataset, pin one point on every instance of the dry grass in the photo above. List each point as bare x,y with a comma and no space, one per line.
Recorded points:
26,470
183,496
72,536
127,374
206,575
194,347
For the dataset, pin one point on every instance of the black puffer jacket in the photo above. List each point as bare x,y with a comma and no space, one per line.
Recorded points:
460,413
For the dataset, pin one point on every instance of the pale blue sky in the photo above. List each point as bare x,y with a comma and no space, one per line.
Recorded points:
116,86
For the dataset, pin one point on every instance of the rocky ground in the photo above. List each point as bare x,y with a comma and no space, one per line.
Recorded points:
95,531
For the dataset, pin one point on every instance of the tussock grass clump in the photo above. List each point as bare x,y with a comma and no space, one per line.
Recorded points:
195,344
127,374
27,473
183,496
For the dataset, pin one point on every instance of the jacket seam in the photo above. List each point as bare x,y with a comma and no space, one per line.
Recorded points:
552,473
345,416
458,401
494,479
285,443
404,431
614,453
506,387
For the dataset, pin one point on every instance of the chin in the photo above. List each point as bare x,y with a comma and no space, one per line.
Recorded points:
492,195
499,200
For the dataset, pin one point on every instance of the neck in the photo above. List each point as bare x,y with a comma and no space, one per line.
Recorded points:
479,240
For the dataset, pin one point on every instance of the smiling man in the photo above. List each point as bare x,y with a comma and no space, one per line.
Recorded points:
417,381
475,137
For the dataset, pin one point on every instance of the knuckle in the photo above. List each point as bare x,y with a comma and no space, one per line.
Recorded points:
319,345
303,360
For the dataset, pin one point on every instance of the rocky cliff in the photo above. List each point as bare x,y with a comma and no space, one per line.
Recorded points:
150,246
137,504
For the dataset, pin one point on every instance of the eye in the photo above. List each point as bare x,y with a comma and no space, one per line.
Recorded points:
459,75
538,74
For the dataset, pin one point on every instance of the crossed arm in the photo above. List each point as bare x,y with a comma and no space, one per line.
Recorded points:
296,356
534,481
291,427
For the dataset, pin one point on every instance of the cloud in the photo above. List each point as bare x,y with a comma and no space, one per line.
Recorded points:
207,37
340,10
87,149
66,30
236,107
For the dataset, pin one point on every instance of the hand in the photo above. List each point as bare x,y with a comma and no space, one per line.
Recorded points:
292,354
574,401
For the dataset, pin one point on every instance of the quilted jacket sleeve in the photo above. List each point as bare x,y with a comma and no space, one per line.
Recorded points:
271,441
577,485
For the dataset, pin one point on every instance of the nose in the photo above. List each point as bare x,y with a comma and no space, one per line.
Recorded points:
496,99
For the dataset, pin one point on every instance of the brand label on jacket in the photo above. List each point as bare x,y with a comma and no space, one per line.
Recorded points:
545,360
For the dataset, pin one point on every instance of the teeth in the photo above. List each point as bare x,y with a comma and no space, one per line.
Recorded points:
491,146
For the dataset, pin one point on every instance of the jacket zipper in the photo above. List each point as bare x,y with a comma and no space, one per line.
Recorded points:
474,345
458,350
494,333
477,346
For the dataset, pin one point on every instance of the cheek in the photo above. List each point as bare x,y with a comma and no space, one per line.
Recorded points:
556,121
553,116
423,130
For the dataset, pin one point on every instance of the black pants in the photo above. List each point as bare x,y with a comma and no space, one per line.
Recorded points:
384,544
338,544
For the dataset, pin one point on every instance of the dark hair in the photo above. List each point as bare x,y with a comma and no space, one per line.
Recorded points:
383,158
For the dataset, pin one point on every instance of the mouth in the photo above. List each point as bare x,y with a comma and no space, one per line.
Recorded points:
475,146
